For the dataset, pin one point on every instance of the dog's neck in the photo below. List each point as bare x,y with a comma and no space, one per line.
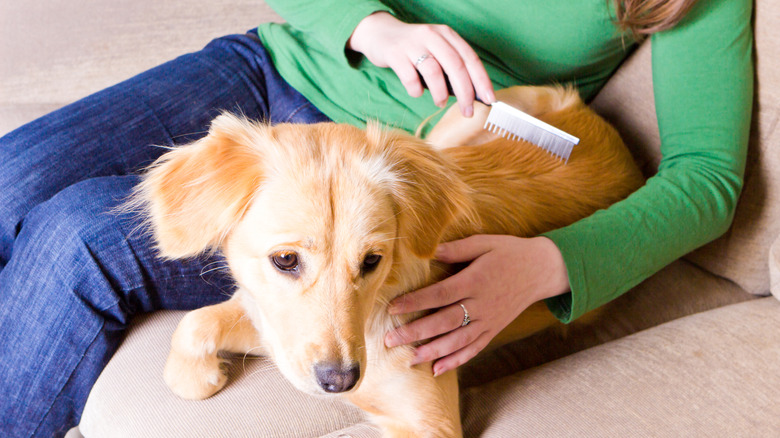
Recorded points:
413,273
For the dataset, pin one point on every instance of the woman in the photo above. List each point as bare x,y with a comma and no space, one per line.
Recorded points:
72,276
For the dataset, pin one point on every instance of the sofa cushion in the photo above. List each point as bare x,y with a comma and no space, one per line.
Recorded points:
704,375
678,290
739,255
774,268
131,399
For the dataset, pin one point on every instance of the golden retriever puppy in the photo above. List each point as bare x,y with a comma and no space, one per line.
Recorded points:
322,225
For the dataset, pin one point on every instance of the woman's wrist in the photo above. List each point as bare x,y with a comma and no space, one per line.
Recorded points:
357,39
552,260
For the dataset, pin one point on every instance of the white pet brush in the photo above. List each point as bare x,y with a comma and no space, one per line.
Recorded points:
509,122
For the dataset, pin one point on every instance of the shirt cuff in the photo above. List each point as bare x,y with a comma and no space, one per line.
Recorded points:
338,39
571,305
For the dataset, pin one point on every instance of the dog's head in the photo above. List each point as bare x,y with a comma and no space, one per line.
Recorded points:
320,224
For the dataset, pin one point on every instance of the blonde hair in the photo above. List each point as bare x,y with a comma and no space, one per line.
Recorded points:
645,17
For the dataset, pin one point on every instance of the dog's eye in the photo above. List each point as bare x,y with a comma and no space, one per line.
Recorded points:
285,261
370,262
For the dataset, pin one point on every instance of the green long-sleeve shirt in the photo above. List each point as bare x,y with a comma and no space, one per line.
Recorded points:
702,81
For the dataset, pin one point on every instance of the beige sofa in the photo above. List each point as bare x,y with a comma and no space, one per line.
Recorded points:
693,351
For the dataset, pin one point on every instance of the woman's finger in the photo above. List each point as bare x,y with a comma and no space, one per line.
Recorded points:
448,344
431,71
479,80
467,249
461,356
408,75
453,66
454,288
435,324
443,293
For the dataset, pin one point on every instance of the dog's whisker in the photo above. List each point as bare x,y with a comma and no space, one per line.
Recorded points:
218,268
248,352
390,239
238,321
187,134
256,347
251,352
215,262
386,220
262,369
163,146
254,357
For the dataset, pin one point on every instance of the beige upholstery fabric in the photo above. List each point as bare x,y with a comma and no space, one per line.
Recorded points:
700,376
131,400
774,268
627,102
56,51
679,290
740,255
74,433
714,373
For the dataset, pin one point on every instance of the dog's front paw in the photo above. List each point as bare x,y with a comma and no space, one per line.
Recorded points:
194,378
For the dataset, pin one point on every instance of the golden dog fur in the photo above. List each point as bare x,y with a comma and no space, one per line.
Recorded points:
332,200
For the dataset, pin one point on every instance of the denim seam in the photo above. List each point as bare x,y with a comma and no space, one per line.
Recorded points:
297,110
70,376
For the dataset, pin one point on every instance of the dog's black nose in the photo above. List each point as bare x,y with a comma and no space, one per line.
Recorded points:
334,377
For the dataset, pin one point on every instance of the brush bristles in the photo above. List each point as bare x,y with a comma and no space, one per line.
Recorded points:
511,123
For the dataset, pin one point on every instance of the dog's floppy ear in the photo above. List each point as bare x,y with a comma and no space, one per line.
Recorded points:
428,194
196,193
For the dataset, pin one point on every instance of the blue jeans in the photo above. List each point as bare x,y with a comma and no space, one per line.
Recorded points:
72,272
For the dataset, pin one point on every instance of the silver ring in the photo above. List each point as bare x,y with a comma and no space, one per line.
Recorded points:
421,59
466,317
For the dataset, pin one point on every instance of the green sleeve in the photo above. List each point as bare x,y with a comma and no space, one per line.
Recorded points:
703,87
330,22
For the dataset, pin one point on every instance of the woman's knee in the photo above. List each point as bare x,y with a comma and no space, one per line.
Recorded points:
74,242
106,258
20,190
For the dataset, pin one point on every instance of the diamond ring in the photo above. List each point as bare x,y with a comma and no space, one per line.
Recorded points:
466,317
421,59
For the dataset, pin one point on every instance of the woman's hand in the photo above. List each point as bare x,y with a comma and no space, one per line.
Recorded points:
506,275
433,50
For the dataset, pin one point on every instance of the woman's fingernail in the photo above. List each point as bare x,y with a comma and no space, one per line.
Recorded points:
416,359
438,371
390,340
469,111
439,251
490,97
394,308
